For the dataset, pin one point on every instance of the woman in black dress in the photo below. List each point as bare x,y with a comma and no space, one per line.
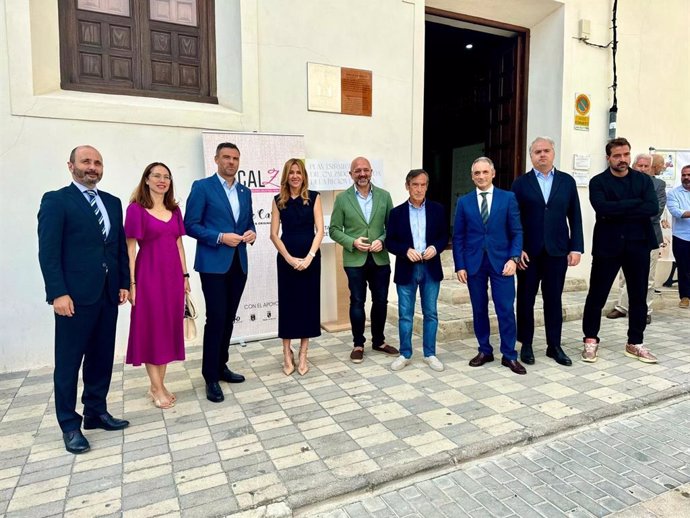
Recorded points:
298,211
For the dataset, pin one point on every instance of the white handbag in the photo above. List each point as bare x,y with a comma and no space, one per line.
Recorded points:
190,315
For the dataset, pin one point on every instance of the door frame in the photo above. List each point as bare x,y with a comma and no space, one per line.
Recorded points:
519,158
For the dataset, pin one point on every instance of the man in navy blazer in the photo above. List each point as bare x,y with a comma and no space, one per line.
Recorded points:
417,233
219,216
487,242
553,240
83,258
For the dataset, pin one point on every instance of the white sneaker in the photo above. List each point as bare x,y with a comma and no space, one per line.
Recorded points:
400,363
434,363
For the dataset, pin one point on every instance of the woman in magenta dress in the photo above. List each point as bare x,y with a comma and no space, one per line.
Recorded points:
159,269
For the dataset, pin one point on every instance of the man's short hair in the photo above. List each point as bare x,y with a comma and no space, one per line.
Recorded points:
616,142
73,153
414,173
641,156
483,159
684,168
547,139
224,145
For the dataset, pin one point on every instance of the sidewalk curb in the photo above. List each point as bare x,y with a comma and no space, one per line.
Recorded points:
455,457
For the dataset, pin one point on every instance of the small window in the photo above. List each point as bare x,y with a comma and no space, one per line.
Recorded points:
154,48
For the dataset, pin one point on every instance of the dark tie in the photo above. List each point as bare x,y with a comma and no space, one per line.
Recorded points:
485,207
96,210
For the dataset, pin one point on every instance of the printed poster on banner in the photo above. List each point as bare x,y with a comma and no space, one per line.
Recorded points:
674,160
261,163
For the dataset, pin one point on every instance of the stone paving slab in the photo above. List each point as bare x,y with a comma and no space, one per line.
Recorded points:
566,476
279,443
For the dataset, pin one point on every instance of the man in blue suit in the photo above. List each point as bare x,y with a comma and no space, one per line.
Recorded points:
417,234
553,241
220,217
83,258
487,243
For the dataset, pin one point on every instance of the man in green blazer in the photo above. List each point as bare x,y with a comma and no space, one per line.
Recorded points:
358,223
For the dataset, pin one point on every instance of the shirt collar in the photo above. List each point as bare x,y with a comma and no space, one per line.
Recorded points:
224,182
540,174
490,190
84,188
357,193
416,208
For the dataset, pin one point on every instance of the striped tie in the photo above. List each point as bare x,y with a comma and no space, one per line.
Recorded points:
485,207
96,210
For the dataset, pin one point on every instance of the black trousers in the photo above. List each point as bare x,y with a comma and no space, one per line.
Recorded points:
88,336
635,264
681,251
549,271
222,294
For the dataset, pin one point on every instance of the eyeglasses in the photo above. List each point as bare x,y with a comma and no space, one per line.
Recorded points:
160,177
364,170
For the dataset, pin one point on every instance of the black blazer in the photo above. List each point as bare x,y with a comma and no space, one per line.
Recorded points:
619,214
555,226
399,239
74,259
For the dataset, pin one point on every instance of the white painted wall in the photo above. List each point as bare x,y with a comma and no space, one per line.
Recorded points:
39,124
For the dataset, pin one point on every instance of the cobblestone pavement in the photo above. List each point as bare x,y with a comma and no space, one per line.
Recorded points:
294,441
598,472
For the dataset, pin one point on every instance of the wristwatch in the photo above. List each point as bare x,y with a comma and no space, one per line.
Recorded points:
516,259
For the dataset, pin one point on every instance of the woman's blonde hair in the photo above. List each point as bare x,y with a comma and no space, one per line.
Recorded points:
285,187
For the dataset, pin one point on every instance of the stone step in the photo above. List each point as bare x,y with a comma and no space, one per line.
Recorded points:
454,292
455,320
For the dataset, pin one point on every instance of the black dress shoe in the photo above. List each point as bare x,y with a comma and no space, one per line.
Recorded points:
514,366
481,359
526,354
558,355
231,377
104,421
75,442
649,319
214,393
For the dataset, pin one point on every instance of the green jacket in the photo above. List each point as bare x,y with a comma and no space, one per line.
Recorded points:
348,223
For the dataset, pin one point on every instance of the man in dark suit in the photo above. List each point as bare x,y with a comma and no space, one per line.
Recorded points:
487,242
219,216
417,234
624,202
83,258
553,240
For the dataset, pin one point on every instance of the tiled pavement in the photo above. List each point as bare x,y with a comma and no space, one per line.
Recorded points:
638,466
298,440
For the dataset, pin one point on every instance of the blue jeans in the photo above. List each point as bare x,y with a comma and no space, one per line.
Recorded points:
378,278
428,293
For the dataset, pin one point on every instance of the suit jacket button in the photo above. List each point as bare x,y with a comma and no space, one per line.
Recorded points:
104,265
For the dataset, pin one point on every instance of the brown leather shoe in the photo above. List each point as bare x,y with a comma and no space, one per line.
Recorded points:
481,359
357,355
514,366
387,349
614,313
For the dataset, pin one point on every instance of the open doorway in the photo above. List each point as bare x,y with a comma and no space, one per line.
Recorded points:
475,85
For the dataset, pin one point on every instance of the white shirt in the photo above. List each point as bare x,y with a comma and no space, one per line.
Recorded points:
489,198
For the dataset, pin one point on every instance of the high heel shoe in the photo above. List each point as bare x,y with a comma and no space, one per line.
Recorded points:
302,370
289,369
158,403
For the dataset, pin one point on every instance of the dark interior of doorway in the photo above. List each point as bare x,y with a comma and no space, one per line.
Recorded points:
471,107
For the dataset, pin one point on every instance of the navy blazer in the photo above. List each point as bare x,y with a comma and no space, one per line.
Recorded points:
399,240
208,214
555,226
500,238
74,258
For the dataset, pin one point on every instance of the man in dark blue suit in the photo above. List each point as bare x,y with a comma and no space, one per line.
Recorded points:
487,242
417,233
83,258
220,217
553,240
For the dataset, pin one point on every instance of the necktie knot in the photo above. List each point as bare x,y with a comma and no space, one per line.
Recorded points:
91,193
482,194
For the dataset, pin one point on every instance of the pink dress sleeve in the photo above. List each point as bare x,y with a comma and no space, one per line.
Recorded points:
134,227
180,222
